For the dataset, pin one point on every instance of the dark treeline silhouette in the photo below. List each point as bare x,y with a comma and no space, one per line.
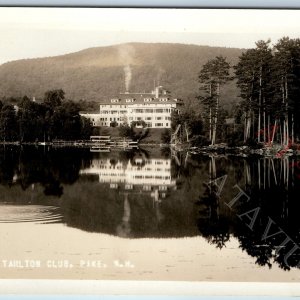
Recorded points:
53,118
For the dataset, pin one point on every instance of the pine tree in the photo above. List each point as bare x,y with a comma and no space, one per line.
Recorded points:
213,75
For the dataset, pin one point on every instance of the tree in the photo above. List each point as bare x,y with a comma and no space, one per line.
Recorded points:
286,81
269,81
54,98
8,123
86,128
71,120
213,75
253,73
190,121
31,120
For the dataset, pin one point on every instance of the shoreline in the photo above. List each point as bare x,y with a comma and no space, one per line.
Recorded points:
220,149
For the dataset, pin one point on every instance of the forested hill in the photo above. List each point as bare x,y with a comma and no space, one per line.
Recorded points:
98,73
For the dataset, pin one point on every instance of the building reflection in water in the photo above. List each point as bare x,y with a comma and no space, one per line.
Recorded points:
142,175
139,175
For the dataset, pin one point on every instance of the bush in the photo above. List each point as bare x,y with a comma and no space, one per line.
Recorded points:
166,136
252,143
113,124
235,139
126,131
144,134
199,140
138,123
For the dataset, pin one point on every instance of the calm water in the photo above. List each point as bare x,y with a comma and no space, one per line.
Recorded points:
158,195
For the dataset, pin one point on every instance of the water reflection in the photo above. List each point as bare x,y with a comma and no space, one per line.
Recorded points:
30,213
136,175
159,193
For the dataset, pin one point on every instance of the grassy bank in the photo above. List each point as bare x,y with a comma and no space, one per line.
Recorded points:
153,136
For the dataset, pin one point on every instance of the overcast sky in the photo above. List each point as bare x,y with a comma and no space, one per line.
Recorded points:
39,32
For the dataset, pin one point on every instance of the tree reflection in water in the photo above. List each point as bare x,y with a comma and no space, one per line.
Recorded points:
211,225
160,194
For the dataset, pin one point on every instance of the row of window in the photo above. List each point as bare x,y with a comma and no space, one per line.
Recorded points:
150,118
116,100
145,187
138,110
150,125
111,106
103,106
151,177
112,112
149,110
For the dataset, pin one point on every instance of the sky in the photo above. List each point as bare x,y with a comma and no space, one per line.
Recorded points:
39,32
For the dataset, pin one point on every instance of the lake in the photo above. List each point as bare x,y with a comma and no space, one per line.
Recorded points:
148,214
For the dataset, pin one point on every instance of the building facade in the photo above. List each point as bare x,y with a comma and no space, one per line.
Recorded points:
151,109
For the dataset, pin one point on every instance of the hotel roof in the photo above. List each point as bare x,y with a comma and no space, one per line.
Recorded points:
138,98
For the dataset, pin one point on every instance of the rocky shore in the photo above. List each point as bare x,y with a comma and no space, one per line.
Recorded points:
274,151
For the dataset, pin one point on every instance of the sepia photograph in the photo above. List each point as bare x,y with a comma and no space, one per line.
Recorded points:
150,144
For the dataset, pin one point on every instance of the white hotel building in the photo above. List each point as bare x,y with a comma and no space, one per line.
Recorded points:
153,108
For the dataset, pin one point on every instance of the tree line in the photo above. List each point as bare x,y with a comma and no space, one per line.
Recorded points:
268,78
54,118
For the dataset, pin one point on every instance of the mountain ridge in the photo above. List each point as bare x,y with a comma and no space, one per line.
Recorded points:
97,73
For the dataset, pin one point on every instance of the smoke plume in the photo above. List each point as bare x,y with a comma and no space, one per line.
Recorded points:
126,56
127,71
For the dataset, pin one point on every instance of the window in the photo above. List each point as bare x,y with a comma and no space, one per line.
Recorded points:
158,118
128,186
158,124
148,118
